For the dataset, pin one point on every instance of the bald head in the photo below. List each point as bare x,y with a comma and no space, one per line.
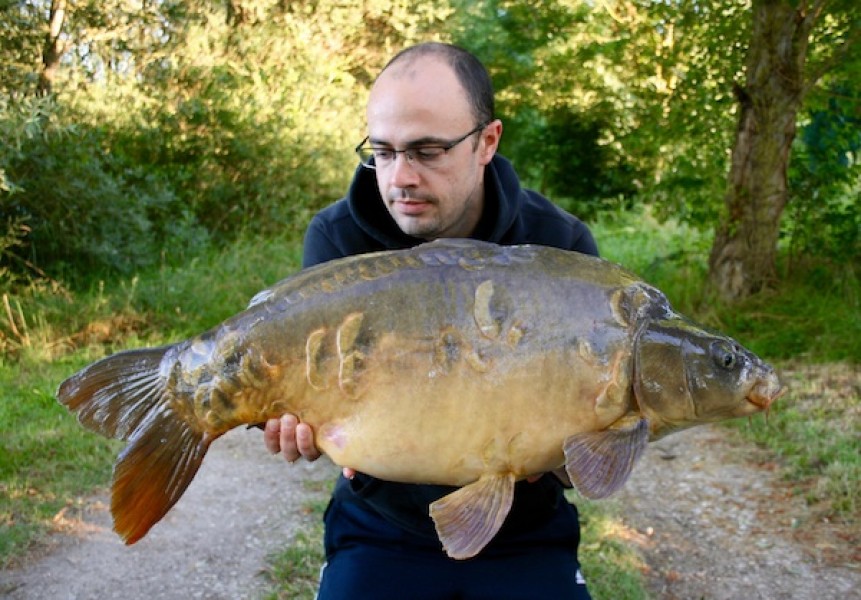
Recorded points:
467,69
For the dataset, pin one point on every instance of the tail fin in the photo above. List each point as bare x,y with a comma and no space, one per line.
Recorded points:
124,396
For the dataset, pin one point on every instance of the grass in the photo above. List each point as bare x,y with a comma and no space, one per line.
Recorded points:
47,464
47,461
295,570
810,325
815,433
611,565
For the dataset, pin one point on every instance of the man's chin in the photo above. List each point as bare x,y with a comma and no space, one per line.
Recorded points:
416,225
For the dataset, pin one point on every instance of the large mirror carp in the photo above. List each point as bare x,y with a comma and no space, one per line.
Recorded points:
457,362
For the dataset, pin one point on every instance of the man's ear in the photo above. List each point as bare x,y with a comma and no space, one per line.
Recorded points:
489,141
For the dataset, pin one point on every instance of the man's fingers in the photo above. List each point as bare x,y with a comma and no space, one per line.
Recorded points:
305,442
291,438
287,438
271,435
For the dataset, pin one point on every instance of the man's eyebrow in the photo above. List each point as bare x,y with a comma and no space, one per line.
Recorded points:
427,140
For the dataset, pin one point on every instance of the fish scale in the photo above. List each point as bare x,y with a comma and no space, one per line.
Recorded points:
457,362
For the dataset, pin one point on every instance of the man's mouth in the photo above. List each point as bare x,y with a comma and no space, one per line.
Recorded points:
411,206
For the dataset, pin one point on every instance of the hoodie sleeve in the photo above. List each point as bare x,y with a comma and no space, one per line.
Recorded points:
583,240
334,233
318,247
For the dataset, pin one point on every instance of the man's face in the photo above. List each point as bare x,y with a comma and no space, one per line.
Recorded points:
420,102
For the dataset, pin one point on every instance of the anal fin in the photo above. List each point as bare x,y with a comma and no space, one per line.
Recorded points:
467,519
600,462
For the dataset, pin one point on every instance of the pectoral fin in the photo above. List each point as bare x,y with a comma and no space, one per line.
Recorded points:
599,463
467,519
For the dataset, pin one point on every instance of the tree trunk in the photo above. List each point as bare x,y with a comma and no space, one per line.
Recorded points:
53,48
744,253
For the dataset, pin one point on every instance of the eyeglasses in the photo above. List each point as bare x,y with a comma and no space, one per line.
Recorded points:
426,155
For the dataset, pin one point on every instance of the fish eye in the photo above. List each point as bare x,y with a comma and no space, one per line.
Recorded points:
725,355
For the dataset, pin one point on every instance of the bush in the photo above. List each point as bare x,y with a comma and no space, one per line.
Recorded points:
80,206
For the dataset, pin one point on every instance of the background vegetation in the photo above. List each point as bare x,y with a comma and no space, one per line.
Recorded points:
159,161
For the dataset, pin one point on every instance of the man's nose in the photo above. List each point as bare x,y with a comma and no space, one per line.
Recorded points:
404,172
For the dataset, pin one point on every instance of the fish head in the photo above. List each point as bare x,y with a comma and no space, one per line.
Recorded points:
686,375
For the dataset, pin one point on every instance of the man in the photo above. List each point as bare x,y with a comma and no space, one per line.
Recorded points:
430,170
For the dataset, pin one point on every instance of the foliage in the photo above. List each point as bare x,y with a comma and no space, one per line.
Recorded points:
183,124
635,102
825,177
86,207
562,125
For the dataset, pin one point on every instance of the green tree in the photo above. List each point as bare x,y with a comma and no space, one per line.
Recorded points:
793,45
693,104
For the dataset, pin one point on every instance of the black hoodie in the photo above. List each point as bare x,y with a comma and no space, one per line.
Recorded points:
360,223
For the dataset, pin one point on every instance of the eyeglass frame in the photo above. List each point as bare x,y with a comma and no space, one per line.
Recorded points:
411,158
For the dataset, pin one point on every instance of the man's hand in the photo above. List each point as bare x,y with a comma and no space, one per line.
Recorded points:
293,440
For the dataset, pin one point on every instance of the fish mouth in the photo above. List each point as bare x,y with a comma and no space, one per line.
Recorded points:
765,393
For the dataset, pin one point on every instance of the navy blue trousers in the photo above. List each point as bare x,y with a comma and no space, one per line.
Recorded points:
369,558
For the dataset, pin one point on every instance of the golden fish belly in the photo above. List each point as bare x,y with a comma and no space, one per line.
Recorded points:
426,427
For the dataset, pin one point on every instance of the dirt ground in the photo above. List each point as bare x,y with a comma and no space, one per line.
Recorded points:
711,520
714,521
242,505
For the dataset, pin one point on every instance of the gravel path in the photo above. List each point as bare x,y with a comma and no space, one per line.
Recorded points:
713,520
241,506
710,520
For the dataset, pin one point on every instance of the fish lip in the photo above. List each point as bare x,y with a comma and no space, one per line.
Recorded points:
765,394
758,401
